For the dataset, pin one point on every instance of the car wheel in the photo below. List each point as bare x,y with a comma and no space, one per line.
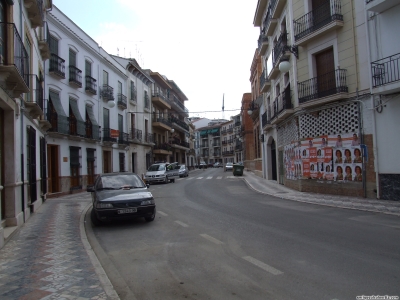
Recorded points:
94,219
152,217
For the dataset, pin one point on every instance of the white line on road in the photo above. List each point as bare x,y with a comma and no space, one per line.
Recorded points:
162,213
199,178
190,178
219,177
209,177
211,239
182,224
180,178
262,265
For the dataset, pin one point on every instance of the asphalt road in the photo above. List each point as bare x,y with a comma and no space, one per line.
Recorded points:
214,238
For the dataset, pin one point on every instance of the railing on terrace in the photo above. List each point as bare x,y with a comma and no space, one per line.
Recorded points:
121,102
123,138
180,143
263,79
164,146
282,102
159,94
317,18
135,134
107,135
148,138
37,92
107,92
57,65
229,152
181,123
268,16
177,102
266,118
164,121
75,75
325,85
385,70
90,85
20,59
262,38
280,47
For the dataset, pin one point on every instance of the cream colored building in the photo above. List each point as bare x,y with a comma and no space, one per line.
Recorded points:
314,66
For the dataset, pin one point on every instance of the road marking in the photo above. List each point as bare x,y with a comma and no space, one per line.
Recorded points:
182,224
262,265
219,177
230,177
190,178
180,179
211,239
199,178
162,213
209,177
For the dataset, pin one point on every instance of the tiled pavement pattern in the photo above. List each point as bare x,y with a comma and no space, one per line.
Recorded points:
273,188
46,259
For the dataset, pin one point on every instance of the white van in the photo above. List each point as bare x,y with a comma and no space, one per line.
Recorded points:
162,172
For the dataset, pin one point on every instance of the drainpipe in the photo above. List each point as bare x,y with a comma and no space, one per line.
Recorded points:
22,109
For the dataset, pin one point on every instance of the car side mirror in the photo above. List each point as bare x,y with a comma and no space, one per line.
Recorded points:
90,189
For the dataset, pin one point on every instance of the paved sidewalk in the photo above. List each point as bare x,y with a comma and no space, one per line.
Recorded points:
50,258
273,188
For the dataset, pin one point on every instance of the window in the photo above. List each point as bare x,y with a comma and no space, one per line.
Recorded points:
88,68
75,166
133,91
90,157
119,87
105,77
72,58
53,42
31,160
122,162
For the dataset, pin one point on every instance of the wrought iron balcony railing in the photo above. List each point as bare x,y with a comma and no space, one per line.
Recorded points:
91,85
123,138
92,131
164,146
58,123
317,18
263,79
266,118
228,152
385,70
261,39
121,102
37,93
135,134
282,102
181,123
75,76
162,120
179,142
74,127
148,138
107,135
107,92
57,65
20,58
279,48
322,86
223,131
268,16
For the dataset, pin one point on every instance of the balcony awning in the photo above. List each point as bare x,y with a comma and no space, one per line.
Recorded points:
75,110
215,130
92,118
203,132
62,119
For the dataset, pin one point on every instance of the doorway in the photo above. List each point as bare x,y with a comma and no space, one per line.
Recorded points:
53,168
133,162
107,168
273,161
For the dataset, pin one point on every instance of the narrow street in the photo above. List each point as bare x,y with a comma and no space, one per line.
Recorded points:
215,238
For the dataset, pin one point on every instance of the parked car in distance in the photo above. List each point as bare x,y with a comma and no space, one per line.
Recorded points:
203,165
183,171
162,172
229,166
121,196
217,165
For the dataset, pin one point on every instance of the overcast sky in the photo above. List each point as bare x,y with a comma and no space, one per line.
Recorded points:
206,47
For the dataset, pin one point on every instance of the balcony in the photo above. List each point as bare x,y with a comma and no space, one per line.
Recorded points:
266,120
216,144
280,52
75,76
90,85
109,135
162,123
158,98
35,99
77,128
57,66
386,75
204,154
135,135
123,138
107,92
121,102
283,106
14,63
178,104
216,153
262,43
380,6
270,22
178,143
204,146
44,122
163,148
239,147
264,82
148,138
230,141
227,153
178,124
133,95
318,22
323,89
58,123
35,10
224,143
44,42
92,131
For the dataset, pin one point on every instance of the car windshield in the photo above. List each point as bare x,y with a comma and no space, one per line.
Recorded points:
229,164
120,182
157,167
182,167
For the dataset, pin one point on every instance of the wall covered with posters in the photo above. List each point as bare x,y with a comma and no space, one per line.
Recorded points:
328,157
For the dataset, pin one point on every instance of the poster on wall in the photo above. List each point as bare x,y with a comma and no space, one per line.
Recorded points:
328,157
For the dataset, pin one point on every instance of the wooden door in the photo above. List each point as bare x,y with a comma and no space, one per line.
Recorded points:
326,84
